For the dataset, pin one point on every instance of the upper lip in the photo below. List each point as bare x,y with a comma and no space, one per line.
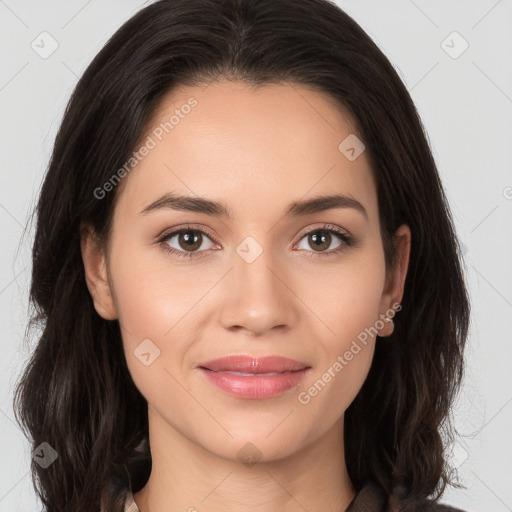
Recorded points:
249,364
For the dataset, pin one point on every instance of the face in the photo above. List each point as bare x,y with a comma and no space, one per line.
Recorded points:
267,280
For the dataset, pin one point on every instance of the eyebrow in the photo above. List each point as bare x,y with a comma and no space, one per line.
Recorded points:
217,209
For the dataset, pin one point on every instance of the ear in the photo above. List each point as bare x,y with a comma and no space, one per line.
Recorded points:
395,281
96,275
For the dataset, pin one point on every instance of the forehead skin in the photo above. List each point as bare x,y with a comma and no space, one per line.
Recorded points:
256,150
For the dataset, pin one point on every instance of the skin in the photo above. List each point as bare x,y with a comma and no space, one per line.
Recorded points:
256,151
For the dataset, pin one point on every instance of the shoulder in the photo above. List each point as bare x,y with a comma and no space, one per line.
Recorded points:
423,506
418,504
372,498
124,502
129,503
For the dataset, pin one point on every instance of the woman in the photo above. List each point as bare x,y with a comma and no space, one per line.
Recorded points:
247,274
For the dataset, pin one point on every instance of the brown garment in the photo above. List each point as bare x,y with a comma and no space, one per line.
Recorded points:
370,498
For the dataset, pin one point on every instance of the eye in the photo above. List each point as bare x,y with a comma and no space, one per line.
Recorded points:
322,238
187,242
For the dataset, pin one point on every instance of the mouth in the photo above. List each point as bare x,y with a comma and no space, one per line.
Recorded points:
252,365
247,374
251,378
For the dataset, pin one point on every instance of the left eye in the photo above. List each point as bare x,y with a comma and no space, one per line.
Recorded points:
322,239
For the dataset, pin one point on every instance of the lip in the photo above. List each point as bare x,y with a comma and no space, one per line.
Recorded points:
254,378
253,365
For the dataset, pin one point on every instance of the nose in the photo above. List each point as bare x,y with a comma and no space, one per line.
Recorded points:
258,296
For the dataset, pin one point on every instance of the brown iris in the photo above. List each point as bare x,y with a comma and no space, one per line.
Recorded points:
192,240
320,239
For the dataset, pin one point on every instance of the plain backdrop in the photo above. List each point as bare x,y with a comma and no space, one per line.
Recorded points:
455,58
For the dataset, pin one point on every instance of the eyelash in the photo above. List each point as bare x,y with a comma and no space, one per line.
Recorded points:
347,241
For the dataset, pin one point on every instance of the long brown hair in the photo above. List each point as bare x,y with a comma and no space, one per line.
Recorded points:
76,392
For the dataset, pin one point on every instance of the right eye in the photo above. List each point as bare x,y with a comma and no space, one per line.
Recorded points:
188,242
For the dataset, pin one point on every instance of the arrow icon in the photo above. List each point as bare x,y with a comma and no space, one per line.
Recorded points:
247,252
351,147
454,45
146,352
44,45
44,455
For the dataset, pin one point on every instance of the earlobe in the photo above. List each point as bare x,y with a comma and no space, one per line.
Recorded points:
96,274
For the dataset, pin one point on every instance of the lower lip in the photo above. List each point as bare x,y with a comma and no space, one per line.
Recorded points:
257,386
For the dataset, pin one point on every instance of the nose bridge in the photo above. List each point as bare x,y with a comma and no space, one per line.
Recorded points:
257,296
255,266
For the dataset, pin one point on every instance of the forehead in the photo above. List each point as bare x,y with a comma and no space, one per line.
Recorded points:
253,149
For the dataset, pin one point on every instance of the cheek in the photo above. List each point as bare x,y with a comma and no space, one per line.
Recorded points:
345,295
152,295
152,305
349,308
338,376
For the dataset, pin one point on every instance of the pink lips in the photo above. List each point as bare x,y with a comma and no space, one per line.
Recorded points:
252,378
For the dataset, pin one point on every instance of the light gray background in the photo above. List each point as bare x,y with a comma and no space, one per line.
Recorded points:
466,106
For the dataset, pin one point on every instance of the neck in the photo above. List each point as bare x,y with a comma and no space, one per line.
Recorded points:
186,476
